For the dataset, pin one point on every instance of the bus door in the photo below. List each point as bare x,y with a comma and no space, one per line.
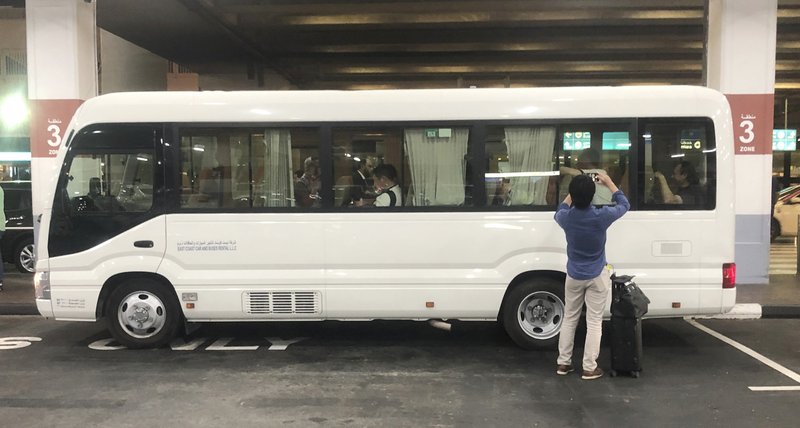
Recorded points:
107,212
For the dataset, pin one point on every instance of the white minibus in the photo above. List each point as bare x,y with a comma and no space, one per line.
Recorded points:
186,207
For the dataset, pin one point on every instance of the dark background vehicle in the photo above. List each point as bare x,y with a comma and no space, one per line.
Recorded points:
17,242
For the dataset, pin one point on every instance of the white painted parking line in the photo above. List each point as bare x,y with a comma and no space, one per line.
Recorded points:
774,388
783,370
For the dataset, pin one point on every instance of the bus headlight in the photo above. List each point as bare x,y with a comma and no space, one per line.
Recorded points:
41,285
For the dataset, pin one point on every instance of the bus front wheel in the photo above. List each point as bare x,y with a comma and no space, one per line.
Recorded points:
142,313
533,313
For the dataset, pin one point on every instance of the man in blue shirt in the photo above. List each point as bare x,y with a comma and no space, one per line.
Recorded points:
588,279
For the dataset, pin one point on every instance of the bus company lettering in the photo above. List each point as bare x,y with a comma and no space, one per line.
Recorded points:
71,303
190,245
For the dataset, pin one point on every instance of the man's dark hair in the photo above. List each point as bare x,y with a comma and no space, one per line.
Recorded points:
581,188
385,170
688,170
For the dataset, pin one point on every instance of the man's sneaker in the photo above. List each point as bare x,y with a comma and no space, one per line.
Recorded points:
594,374
1,285
563,369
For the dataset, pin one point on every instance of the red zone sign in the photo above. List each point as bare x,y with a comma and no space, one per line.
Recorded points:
752,123
49,120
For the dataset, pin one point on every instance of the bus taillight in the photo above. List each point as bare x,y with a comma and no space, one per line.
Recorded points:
729,275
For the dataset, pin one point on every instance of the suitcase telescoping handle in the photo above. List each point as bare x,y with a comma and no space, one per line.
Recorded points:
627,299
621,279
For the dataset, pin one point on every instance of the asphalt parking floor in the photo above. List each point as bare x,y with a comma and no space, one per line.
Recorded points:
389,373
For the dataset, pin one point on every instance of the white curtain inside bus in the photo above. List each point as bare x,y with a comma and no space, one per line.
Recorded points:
277,186
530,150
436,160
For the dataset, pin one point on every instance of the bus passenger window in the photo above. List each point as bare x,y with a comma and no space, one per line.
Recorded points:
430,163
242,168
596,148
679,165
520,166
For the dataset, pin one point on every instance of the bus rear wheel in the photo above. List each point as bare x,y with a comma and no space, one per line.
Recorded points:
142,313
533,313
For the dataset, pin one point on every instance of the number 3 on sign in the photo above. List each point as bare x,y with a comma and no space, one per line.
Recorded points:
55,132
748,131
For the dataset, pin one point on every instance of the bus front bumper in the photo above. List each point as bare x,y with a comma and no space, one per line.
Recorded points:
45,307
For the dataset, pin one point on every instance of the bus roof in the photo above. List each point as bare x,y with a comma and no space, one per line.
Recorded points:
402,105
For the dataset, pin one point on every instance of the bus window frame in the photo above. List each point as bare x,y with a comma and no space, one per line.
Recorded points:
711,183
476,152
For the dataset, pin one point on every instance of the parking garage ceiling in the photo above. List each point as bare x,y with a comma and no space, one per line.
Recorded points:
363,44
357,44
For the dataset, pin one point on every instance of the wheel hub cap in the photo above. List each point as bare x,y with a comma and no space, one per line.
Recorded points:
141,314
540,315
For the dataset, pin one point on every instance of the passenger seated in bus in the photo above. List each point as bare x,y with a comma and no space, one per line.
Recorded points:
360,185
306,189
502,193
588,163
389,192
688,190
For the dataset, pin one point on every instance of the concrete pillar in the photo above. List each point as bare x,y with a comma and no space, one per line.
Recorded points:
126,67
62,72
740,63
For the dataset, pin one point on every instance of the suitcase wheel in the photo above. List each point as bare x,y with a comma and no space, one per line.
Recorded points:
612,373
635,374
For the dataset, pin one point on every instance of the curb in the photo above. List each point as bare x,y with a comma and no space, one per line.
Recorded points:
787,311
750,311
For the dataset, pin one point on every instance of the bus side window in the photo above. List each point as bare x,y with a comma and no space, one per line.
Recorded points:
242,168
520,166
678,166
431,165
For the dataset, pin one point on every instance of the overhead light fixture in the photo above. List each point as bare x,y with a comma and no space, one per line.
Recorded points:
13,111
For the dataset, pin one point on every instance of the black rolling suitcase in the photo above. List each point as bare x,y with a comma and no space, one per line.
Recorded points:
628,306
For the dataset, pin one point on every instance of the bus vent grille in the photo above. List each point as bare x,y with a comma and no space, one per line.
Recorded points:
282,302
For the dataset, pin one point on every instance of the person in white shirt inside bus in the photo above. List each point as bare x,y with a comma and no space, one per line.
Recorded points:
389,192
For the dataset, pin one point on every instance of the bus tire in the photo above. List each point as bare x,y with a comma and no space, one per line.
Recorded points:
143,313
533,313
